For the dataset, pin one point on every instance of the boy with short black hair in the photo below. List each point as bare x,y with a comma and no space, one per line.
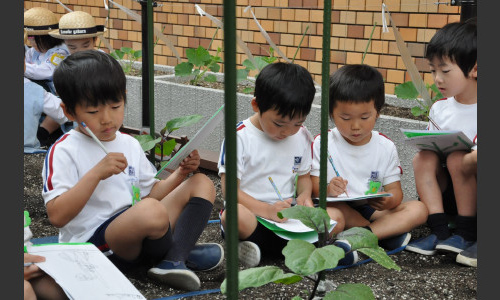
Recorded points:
366,160
114,200
272,142
442,181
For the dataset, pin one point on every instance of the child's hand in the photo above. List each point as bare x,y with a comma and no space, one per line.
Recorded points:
379,203
190,163
337,186
113,163
305,202
277,207
32,271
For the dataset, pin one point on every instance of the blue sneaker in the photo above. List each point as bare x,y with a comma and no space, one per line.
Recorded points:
205,257
468,257
454,243
351,257
395,242
176,275
425,245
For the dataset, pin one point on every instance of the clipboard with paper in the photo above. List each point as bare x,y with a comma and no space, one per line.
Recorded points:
192,144
440,141
293,229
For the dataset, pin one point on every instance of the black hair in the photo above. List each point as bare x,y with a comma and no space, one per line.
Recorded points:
46,42
456,41
89,78
357,84
285,87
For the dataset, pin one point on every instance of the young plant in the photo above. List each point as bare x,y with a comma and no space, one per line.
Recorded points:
203,61
131,57
408,91
164,145
260,63
305,260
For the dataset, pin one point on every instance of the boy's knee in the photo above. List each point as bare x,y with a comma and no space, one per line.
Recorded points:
204,186
454,161
153,211
423,159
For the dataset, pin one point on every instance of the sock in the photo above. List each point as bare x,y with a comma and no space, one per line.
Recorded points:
42,134
155,250
466,227
189,227
438,224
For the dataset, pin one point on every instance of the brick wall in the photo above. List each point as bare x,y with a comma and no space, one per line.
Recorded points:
285,21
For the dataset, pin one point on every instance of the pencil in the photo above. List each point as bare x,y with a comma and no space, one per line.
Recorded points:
92,135
275,188
434,123
330,159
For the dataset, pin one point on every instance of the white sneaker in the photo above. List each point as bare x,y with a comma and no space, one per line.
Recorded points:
248,254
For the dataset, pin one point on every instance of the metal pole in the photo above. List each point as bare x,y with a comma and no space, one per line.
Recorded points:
468,9
147,68
230,142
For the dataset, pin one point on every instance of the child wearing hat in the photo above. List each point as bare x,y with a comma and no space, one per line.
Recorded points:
78,31
46,52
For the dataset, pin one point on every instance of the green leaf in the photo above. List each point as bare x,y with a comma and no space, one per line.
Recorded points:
138,54
256,277
214,67
305,259
261,62
359,238
248,64
241,74
198,57
168,147
351,291
119,54
437,92
210,78
248,90
379,255
127,50
180,122
406,91
418,111
184,69
312,217
147,142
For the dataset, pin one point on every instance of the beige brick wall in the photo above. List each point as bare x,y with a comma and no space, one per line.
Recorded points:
285,21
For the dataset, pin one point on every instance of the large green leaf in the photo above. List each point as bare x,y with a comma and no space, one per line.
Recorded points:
180,122
198,56
127,50
241,74
379,255
418,111
248,64
168,147
312,217
147,142
359,238
184,69
305,259
138,54
256,277
117,54
351,291
406,90
210,78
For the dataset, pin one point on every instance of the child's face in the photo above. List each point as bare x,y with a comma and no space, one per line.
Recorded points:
103,120
355,121
449,78
274,125
31,40
80,45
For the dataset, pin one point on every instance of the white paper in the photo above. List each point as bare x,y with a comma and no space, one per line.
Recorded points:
356,197
440,141
295,229
84,272
192,144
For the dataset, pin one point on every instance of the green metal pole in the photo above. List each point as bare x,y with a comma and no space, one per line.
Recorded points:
150,63
230,140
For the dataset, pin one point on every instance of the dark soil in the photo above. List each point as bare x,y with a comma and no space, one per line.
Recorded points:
421,277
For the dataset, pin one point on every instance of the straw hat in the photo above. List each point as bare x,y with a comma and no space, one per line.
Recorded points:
39,21
77,25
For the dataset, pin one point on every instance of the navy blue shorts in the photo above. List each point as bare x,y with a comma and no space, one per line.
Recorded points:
365,210
100,242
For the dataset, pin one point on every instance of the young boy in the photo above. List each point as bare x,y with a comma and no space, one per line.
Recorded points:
78,30
272,142
90,195
366,160
452,56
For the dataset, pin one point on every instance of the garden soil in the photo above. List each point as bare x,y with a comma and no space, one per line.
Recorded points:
421,277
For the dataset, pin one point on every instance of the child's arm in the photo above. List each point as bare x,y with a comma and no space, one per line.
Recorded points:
304,190
66,206
259,208
384,203
165,186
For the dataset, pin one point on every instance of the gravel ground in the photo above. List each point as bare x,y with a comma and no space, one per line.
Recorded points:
421,277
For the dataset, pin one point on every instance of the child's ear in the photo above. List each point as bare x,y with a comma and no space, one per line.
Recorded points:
66,113
473,72
255,106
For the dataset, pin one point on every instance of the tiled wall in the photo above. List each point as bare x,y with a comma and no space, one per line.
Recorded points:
285,21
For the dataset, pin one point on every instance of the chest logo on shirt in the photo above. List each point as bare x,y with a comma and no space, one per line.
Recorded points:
296,163
56,59
374,184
